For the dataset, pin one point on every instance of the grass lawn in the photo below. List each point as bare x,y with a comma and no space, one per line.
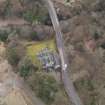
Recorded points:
35,48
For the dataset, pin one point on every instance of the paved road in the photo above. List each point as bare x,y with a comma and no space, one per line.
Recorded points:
73,96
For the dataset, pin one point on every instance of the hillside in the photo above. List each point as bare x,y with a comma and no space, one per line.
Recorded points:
25,33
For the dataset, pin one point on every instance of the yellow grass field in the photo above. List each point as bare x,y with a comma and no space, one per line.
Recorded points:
34,49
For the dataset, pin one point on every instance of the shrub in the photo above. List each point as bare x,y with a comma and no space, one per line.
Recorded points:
67,1
96,35
85,83
33,36
103,45
3,36
46,87
7,8
25,67
29,16
32,17
13,56
36,12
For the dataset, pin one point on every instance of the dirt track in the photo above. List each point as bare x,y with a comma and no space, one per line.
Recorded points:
9,81
12,22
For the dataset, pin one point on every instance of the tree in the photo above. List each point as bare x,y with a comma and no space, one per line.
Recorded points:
35,12
45,87
25,67
3,35
13,56
7,9
15,51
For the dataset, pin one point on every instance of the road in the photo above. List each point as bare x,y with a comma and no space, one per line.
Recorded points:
68,84
73,96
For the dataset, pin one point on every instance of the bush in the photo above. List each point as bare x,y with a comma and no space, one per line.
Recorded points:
96,36
33,36
3,36
46,87
29,16
86,83
25,67
103,45
5,32
13,56
15,50
35,12
7,8
32,17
